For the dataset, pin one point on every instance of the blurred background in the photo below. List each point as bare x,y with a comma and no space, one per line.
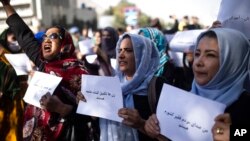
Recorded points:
93,14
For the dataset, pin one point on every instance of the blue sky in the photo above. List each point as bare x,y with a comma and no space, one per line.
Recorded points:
206,10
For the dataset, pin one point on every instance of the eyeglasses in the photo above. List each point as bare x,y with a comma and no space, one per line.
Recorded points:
52,36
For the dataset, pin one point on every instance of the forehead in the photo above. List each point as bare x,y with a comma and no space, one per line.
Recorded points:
208,43
52,30
126,43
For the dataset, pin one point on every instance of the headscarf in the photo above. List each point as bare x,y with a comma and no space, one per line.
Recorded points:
12,47
160,42
109,44
67,65
4,47
146,61
227,84
247,84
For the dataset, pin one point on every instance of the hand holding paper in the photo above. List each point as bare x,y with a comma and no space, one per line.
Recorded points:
185,116
40,84
103,95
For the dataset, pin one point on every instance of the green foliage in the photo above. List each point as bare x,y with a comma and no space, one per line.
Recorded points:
143,20
118,13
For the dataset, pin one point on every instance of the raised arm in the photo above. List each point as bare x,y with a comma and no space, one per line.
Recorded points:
8,8
23,34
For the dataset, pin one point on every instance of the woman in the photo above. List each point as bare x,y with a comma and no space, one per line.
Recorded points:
220,69
109,40
57,119
11,108
166,67
137,62
102,59
9,45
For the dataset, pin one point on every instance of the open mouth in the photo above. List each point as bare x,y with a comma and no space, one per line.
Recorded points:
47,48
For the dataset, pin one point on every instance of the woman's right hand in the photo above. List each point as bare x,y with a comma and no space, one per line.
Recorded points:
152,126
79,97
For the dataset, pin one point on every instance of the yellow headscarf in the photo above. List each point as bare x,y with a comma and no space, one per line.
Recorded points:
2,57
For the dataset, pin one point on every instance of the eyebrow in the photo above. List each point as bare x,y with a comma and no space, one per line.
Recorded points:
208,50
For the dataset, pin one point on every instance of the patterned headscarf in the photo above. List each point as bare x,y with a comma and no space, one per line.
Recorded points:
67,65
160,42
234,51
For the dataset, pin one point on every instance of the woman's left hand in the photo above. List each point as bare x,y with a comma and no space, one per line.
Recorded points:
50,102
131,118
221,128
53,104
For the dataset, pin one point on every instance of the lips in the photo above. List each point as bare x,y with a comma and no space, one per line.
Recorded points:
199,73
47,48
122,63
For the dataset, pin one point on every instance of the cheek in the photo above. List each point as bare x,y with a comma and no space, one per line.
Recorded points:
214,68
56,46
132,61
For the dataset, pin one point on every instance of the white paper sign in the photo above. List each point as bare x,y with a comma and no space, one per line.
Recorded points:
184,116
113,63
91,58
185,41
103,95
40,84
85,47
20,63
235,14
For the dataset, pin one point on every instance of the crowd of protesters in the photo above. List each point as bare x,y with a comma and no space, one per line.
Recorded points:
143,64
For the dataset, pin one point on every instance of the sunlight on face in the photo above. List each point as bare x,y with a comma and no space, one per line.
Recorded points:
126,58
206,60
51,47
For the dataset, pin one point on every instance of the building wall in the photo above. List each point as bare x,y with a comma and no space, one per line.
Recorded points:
45,13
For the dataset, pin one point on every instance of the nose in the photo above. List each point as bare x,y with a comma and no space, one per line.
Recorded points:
121,54
199,62
46,39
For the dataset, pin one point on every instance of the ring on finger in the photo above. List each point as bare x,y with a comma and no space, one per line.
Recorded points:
219,130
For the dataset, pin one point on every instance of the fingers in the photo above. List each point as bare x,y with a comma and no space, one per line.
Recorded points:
224,118
152,127
45,99
131,117
221,131
216,24
79,97
127,113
